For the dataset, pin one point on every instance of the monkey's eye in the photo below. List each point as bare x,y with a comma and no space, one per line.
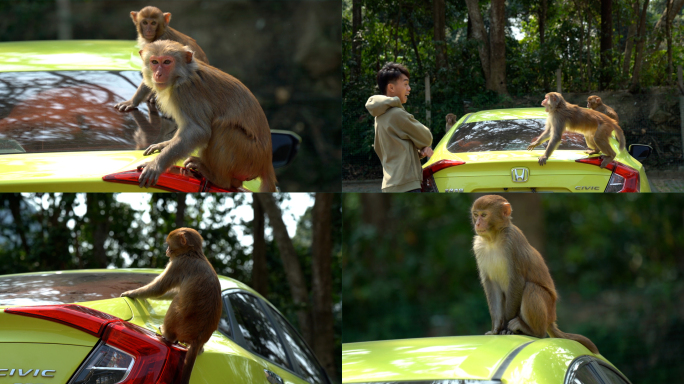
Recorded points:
167,62
155,62
484,215
154,23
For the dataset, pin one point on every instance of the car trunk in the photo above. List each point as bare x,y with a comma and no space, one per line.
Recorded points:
519,171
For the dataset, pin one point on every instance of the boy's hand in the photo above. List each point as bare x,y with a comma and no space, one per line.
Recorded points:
427,151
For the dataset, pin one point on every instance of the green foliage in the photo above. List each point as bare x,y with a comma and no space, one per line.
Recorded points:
616,261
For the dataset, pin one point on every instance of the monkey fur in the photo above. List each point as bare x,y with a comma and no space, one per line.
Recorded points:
519,289
594,102
195,311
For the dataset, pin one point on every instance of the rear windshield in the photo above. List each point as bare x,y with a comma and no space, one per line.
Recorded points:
62,288
74,111
506,135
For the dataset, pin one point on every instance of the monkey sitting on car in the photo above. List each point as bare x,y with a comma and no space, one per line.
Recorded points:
519,289
195,311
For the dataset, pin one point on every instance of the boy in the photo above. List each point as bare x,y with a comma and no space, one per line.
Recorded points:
400,140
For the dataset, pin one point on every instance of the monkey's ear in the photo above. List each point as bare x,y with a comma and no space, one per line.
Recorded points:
140,53
167,17
182,239
506,209
188,56
134,17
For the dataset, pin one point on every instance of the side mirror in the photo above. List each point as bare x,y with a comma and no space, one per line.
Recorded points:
285,146
640,151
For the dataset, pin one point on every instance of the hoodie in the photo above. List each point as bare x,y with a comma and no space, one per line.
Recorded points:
398,139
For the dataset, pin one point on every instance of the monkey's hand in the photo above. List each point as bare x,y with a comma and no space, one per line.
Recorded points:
126,106
156,147
150,174
532,146
542,160
128,294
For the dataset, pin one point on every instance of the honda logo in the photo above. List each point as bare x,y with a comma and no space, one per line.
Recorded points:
520,175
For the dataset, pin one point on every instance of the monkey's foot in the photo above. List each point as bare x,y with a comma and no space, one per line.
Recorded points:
542,160
150,174
592,152
126,106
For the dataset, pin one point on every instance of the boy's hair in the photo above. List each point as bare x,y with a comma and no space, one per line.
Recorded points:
389,73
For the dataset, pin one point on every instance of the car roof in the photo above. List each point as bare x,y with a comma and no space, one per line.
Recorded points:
434,358
69,55
506,114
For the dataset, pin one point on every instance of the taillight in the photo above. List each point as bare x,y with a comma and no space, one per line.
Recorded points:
428,183
176,179
623,178
127,353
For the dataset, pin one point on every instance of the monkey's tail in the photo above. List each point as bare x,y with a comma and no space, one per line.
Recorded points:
268,180
190,357
621,138
553,331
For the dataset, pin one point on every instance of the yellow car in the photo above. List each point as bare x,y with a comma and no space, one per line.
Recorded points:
72,327
60,132
486,151
495,359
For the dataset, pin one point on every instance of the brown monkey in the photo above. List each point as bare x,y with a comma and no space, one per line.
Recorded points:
519,289
195,310
152,25
595,103
215,112
451,119
595,126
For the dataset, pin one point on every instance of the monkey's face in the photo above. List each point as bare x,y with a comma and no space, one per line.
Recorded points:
162,68
481,219
593,102
148,27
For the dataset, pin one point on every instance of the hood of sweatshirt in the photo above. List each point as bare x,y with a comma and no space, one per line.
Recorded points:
377,105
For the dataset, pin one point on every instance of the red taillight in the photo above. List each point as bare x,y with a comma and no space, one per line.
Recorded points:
428,183
624,178
156,361
176,179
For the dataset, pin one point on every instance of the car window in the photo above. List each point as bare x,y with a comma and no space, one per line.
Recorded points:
253,324
586,375
304,359
74,111
224,323
612,376
506,135
61,288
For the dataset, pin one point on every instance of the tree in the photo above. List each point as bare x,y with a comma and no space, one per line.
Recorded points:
606,42
356,39
492,51
259,264
439,40
639,59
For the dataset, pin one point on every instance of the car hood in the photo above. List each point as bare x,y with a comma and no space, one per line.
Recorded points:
462,357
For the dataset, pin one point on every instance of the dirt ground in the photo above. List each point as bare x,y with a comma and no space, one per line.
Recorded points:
661,181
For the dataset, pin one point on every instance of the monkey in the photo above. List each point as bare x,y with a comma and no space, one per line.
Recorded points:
595,103
152,25
595,126
450,121
195,310
519,289
215,112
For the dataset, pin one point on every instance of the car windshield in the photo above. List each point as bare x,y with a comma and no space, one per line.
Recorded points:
506,135
74,111
62,288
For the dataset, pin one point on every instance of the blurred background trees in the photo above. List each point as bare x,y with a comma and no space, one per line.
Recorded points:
617,262
286,52
45,232
473,55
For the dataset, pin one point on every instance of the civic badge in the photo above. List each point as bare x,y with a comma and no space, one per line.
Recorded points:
520,175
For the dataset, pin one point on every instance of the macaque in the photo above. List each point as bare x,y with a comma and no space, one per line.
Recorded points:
451,119
195,310
519,289
595,126
595,103
152,25
215,113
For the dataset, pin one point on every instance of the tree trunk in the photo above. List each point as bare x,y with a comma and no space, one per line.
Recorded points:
542,30
293,270
98,221
439,18
259,266
415,46
530,219
639,59
656,40
668,34
180,210
321,249
606,43
356,39
588,50
629,42
497,48
479,34
15,200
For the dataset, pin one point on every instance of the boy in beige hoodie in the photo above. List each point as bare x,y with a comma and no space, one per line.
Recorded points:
400,140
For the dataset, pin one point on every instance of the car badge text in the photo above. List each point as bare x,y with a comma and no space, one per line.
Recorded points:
4,372
520,175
